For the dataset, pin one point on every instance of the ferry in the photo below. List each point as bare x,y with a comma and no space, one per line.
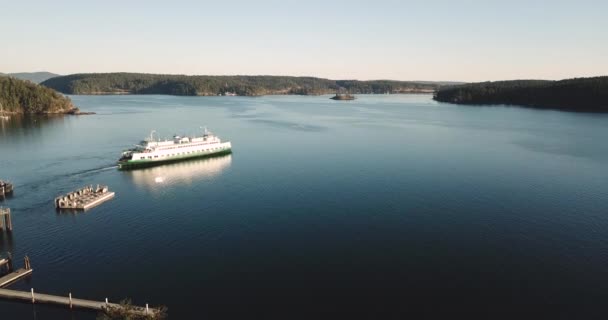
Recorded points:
150,152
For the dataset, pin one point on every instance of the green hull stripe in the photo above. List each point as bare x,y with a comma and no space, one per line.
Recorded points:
133,164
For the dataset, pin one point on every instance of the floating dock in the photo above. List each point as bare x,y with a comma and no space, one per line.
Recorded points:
84,199
5,188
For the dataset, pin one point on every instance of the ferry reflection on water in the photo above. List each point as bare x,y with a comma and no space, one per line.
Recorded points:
185,172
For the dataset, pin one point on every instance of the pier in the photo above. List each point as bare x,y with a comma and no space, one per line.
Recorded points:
5,188
16,275
69,301
5,219
84,199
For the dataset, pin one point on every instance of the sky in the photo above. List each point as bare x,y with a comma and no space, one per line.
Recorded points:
402,40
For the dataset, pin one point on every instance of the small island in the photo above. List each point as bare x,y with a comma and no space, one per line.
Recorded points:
343,96
24,97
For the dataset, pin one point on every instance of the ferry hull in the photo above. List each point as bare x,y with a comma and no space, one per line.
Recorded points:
136,164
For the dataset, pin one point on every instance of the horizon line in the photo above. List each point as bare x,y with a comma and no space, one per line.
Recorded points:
301,76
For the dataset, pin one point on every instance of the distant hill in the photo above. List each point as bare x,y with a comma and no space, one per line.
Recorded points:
579,94
35,77
20,96
140,83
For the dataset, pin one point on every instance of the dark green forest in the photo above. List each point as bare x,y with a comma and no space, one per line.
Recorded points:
139,83
578,94
21,96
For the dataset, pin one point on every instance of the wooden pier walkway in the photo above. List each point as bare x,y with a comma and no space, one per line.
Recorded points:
35,297
14,276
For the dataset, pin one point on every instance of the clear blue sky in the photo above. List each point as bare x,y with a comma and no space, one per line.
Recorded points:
405,40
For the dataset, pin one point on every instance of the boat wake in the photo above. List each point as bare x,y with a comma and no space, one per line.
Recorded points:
57,177
94,170
40,192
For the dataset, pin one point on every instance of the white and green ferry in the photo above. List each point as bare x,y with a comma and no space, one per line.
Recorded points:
152,152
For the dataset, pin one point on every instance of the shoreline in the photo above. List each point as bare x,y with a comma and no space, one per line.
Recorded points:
261,95
72,112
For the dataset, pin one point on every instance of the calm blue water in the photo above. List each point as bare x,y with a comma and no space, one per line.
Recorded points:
383,206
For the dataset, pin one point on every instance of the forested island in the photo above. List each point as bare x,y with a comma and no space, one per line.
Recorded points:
578,94
141,83
343,96
21,96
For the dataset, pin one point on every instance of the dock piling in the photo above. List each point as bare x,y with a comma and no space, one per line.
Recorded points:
8,262
70,300
26,263
5,188
5,219
33,300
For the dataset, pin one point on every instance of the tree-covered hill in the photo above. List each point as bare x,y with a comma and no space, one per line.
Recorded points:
140,83
579,94
20,96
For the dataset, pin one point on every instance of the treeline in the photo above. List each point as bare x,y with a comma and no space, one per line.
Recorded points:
579,94
21,96
139,83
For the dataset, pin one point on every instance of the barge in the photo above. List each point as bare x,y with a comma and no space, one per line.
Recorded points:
84,199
